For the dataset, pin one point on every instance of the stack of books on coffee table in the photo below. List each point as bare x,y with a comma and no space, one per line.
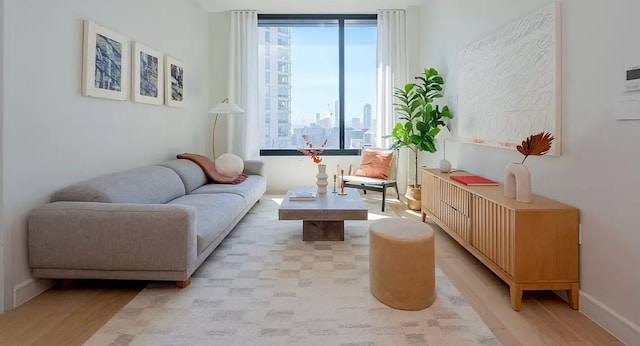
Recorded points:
303,196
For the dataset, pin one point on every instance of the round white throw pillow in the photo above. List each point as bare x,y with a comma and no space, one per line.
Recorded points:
229,165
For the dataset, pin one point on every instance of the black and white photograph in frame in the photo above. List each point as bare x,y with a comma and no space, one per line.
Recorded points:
105,63
174,82
148,75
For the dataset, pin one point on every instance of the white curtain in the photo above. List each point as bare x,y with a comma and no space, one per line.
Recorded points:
243,135
391,73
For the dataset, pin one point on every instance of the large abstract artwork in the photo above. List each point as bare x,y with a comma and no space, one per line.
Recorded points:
106,59
510,83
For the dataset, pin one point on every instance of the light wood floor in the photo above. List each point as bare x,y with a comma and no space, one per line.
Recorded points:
69,316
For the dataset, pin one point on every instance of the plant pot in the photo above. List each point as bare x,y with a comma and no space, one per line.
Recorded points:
414,197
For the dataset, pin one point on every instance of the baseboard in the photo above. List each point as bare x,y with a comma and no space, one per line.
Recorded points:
29,289
620,327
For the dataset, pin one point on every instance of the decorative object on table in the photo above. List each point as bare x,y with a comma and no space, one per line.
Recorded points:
224,107
303,196
314,154
342,193
335,177
322,178
174,82
105,63
517,180
420,122
444,135
473,180
148,75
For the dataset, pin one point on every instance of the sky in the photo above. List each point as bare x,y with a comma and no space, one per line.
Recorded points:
314,71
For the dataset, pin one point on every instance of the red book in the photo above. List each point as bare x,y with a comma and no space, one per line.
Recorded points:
472,180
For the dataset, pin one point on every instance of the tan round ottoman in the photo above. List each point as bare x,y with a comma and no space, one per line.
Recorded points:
402,263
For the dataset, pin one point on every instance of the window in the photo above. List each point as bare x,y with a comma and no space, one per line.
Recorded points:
324,85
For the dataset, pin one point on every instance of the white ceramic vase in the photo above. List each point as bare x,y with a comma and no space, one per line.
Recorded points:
517,182
321,179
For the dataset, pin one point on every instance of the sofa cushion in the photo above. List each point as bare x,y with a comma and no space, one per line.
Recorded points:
250,190
150,184
215,213
191,174
229,165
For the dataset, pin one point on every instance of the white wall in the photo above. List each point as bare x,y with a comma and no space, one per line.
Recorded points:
3,262
54,137
598,169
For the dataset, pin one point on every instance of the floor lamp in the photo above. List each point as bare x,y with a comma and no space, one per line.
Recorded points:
224,107
444,135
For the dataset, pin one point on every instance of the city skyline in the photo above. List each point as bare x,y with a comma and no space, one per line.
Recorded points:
300,88
314,72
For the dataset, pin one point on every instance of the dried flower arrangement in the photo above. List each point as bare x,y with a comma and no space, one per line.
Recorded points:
312,152
538,144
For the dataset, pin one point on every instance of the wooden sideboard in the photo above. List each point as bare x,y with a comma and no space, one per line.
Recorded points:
530,246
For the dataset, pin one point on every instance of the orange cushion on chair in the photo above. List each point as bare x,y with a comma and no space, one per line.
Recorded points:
375,163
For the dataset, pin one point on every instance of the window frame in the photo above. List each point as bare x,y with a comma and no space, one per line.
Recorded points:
341,18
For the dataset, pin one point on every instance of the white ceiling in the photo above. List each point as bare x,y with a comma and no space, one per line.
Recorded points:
306,6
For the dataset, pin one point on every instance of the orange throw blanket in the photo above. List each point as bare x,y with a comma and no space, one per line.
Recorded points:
210,170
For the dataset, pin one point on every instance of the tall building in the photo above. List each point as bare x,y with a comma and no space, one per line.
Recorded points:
366,118
336,114
275,92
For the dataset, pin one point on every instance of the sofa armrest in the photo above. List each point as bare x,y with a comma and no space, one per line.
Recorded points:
255,167
112,236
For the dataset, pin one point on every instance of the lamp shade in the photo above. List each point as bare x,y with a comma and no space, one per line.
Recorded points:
226,108
444,134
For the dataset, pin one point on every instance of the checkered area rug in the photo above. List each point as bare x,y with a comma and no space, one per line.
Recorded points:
265,286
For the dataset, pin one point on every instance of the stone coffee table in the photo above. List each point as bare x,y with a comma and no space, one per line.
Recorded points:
323,219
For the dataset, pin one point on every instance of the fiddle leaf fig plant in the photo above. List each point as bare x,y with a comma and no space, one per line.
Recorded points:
420,119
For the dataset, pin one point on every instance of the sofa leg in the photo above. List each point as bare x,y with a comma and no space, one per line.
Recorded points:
183,284
68,282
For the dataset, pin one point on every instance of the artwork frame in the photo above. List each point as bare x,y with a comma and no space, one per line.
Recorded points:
174,92
105,63
148,74
501,106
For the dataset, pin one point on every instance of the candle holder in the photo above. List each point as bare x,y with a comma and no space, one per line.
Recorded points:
342,193
335,176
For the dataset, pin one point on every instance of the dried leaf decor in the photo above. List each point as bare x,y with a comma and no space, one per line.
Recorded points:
538,144
311,151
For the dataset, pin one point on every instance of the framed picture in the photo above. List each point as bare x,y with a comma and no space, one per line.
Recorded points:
105,63
174,82
148,75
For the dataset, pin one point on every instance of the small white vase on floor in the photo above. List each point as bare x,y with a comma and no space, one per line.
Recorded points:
321,177
517,182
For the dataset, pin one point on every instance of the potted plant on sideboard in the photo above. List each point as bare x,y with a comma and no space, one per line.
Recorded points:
420,122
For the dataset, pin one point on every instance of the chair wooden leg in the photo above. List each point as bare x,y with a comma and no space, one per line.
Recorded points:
397,192
363,190
384,195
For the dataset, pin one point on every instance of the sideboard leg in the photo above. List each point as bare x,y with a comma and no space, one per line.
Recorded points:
516,296
574,296
424,216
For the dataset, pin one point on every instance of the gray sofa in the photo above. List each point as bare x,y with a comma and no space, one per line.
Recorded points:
151,223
